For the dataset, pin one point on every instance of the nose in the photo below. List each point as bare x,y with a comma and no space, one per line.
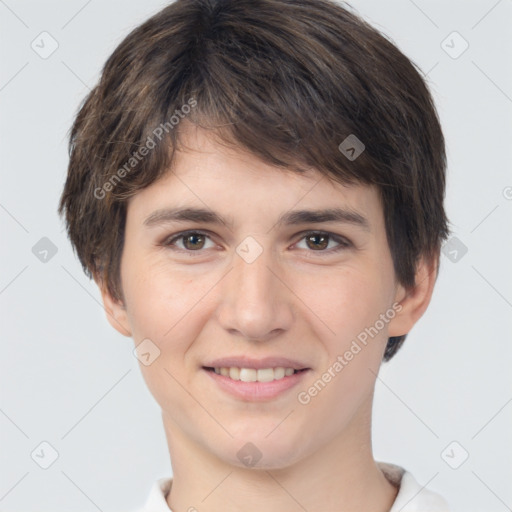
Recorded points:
256,303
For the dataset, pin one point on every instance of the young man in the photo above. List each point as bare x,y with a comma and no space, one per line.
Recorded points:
257,188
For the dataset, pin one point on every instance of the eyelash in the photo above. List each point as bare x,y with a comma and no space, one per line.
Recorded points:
343,242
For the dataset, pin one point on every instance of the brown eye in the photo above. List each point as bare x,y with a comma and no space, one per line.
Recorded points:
190,241
317,241
193,241
323,243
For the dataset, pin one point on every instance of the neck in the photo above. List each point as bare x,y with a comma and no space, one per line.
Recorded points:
341,475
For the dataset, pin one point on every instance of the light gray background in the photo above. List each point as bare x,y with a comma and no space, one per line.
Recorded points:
69,379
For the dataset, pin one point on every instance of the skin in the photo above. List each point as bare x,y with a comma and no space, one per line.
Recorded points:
295,300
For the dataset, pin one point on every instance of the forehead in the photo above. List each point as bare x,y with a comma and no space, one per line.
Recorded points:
211,175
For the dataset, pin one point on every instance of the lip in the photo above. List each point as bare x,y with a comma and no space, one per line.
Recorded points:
256,391
257,364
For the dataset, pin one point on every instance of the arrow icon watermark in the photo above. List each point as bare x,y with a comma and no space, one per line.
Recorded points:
351,147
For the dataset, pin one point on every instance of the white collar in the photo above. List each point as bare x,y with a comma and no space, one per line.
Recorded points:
411,497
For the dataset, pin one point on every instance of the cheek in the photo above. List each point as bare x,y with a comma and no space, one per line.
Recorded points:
342,303
159,299
165,307
350,303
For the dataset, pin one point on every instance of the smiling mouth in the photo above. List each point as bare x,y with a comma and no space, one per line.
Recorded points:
255,375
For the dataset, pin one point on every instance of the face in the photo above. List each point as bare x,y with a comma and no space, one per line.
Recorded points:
264,293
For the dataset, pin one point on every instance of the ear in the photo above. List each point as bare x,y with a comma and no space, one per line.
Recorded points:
415,300
114,309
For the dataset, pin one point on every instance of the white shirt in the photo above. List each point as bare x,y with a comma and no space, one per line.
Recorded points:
411,497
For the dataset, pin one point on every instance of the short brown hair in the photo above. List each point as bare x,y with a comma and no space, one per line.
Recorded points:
288,80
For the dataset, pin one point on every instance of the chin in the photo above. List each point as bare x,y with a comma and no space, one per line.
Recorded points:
255,449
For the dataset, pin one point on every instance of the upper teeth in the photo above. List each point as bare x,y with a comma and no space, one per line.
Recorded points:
253,375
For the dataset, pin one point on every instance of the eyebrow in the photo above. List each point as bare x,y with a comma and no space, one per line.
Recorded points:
291,218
